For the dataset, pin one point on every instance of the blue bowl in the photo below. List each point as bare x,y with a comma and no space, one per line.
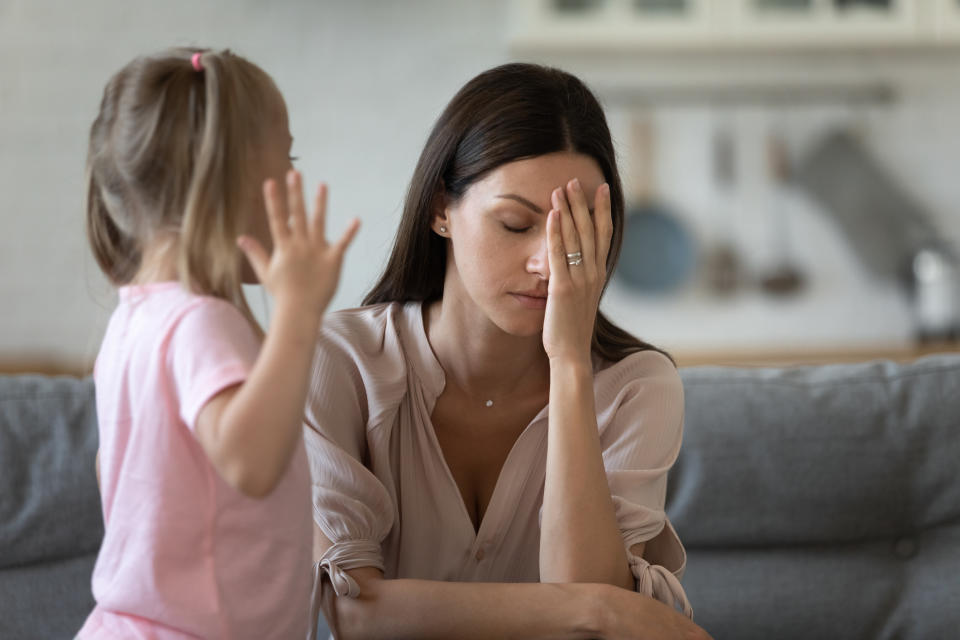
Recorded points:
658,253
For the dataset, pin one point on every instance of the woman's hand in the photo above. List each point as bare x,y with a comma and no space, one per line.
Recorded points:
304,268
573,293
628,615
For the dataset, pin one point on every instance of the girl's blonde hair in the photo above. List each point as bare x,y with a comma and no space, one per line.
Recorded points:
171,152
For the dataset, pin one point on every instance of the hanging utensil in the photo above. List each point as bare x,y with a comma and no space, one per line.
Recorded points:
658,252
784,278
722,266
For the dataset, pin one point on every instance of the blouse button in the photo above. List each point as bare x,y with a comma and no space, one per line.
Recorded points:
479,555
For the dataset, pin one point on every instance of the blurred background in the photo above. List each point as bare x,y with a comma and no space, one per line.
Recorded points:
791,166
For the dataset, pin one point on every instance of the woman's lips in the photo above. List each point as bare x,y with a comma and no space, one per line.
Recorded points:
531,301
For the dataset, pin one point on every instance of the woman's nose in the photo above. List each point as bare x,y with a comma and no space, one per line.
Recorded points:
538,261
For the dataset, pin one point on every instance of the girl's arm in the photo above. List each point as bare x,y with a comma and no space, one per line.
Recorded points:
250,431
580,537
434,609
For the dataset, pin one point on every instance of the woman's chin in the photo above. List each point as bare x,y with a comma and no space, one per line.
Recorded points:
521,323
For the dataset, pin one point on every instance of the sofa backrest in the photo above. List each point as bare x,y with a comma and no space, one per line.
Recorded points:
822,501
50,517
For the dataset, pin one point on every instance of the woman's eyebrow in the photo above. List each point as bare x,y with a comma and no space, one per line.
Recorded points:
521,200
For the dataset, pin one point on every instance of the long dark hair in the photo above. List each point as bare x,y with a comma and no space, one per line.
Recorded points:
508,113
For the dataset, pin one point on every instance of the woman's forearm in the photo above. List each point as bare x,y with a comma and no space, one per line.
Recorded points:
426,609
580,539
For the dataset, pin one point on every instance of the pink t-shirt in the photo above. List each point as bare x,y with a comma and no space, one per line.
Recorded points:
185,555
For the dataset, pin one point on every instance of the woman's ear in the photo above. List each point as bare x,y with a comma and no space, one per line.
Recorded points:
440,222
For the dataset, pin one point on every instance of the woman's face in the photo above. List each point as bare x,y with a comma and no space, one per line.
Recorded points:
497,230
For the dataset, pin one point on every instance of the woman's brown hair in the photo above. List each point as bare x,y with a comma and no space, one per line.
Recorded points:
170,154
508,113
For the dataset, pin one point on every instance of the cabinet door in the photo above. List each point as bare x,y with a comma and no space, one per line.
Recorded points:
825,22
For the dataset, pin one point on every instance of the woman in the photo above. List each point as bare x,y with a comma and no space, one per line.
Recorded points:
489,452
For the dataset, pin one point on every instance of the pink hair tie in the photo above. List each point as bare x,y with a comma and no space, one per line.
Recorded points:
195,61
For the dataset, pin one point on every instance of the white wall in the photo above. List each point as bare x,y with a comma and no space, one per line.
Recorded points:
364,81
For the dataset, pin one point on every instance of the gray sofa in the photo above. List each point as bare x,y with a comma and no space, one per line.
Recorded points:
814,502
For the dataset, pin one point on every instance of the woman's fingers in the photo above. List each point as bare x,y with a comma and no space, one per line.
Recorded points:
297,210
603,225
568,233
556,253
580,211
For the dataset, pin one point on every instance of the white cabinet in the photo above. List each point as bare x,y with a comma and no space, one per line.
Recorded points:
825,22
602,24
947,20
610,25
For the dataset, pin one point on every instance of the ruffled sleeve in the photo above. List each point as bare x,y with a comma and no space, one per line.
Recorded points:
640,416
351,506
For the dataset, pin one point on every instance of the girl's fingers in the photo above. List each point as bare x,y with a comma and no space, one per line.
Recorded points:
298,212
275,212
256,255
556,253
347,237
603,225
581,218
319,223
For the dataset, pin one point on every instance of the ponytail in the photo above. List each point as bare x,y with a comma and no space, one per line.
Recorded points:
170,153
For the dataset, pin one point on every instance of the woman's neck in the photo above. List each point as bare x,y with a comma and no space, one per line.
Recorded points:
479,357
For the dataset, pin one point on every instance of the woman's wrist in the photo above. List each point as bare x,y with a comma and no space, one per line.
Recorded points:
589,603
571,380
577,364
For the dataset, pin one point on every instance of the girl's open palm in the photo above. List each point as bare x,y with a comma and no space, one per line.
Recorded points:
304,267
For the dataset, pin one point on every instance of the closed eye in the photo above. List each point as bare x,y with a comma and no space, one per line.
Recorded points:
516,229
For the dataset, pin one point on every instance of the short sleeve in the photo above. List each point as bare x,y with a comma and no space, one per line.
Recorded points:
211,347
640,416
351,506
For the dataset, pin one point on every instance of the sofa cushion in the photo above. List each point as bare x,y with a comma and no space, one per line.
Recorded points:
49,600
50,505
822,501
811,455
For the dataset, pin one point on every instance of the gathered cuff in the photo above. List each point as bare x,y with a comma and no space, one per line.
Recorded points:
659,583
346,555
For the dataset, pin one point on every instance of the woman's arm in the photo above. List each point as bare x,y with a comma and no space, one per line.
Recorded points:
580,538
423,609
434,609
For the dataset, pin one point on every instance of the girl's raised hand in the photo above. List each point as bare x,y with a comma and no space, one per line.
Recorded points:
304,268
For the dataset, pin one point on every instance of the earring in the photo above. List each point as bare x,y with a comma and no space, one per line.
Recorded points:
443,229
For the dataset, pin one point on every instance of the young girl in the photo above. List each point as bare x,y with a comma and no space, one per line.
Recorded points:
205,482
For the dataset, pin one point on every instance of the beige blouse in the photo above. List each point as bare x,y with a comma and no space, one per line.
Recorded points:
384,496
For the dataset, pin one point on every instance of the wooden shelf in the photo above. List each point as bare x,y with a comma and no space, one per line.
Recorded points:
767,358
